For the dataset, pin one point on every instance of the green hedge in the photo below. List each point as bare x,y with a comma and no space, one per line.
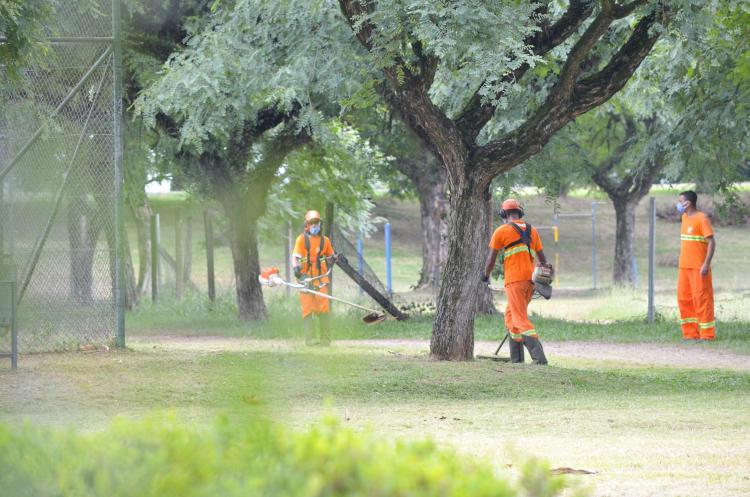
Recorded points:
163,458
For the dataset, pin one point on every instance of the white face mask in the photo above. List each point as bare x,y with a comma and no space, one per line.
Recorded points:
314,229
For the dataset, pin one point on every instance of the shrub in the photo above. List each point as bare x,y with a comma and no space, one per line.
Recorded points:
162,458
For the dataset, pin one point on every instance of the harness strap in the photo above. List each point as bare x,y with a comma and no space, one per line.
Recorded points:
316,259
525,239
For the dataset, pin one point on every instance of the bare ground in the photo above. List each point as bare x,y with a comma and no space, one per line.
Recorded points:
690,355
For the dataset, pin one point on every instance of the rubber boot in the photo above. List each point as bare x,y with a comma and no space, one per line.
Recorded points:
516,351
325,329
307,327
535,350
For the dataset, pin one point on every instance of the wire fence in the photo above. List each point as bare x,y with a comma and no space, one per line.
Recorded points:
60,183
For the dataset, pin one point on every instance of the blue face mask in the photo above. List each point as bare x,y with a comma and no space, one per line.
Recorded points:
315,229
680,208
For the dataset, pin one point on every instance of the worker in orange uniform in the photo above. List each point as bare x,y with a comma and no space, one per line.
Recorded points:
695,293
519,241
313,255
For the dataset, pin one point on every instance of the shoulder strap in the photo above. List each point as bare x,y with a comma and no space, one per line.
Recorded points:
525,236
315,260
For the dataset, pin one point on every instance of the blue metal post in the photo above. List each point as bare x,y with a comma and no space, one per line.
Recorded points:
388,281
360,259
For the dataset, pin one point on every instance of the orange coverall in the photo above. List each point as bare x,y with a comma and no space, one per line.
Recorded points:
695,293
518,266
313,304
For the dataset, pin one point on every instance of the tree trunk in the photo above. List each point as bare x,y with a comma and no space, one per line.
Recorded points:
622,274
433,209
453,327
82,236
243,241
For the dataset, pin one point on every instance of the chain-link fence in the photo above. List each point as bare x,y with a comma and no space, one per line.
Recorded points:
60,184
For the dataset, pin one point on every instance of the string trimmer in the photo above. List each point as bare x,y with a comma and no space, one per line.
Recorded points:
270,277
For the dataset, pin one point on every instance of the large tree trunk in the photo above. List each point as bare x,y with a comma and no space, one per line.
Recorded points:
243,242
433,209
622,274
453,327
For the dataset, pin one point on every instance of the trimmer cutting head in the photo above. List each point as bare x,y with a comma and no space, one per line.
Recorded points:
374,317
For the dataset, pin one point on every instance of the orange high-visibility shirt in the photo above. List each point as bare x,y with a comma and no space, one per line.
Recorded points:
308,268
694,234
518,262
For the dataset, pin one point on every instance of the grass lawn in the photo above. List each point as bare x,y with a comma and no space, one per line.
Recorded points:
192,317
643,430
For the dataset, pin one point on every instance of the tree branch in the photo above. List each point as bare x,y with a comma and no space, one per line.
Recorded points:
476,114
410,95
600,175
563,88
598,88
503,154
621,11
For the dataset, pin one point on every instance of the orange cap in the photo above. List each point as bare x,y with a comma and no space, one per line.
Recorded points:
510,204
312,215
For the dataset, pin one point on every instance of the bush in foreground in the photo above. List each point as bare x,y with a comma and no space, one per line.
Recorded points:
164,458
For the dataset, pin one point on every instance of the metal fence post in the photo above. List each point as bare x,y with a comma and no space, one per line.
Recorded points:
209,256
651,256
593,243
14,328
388,278
154,258
119,174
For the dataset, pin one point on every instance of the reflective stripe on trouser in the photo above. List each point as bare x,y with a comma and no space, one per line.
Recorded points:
695,297
313,304
517,322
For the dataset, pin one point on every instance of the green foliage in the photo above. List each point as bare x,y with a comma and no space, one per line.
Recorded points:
22,25
683,110
340,169
161,457
709,86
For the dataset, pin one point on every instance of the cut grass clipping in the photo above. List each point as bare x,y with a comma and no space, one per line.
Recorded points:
163,458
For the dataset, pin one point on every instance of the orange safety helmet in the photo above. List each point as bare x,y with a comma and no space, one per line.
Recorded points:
311,215
510,204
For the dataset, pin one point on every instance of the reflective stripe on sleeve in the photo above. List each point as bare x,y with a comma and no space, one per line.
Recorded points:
693,238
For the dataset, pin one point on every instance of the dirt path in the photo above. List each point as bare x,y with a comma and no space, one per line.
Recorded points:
692,355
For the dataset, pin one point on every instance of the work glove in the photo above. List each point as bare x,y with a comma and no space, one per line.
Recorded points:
485,278
298,273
